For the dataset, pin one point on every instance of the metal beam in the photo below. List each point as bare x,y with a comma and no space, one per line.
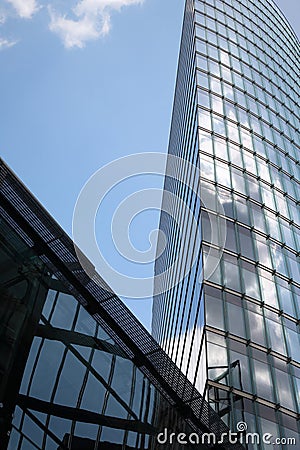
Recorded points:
56,285
83,415
70,337
44,428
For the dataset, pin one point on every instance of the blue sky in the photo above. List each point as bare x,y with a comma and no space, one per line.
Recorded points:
82,85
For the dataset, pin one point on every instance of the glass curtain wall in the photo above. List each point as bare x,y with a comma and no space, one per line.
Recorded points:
67,384
247,361
77,369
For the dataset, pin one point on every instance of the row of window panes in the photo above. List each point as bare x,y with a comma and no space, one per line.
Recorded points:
53,361
234,155
235,324
228,55
281,305
219,36
249,94
260,418
242,126
237,103
233,178
281,23
267,159
260,292
262,91
244,277
268,254
238,133
255,247
248,213
272,38
259,189
47,361
268,381
30,435
261,326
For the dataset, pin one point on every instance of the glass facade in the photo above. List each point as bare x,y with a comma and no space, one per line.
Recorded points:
236,117
77,369
66,381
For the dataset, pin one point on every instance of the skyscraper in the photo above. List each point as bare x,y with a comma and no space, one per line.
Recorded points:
235,331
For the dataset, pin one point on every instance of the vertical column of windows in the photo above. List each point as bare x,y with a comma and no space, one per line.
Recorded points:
249,152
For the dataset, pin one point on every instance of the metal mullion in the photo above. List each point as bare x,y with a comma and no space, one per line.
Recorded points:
199,300
62,361
22,436
244,25
186,300
29,385
193,144
132,392
61,365
180,296
82,389
202,343
177,243
45,429
106,396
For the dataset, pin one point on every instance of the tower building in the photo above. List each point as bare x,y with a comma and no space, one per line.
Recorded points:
234,331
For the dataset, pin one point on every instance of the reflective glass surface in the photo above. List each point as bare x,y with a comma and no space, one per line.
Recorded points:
245,83
63,378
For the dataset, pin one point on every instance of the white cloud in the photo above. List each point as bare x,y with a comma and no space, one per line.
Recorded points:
24,8
97,6
73,33
92,20
5,43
